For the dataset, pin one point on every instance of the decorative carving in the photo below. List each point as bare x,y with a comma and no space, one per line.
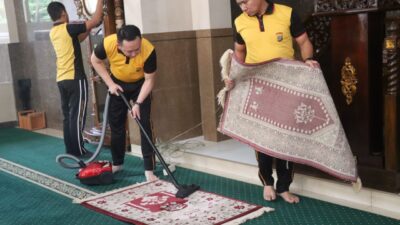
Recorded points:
83,8
342,5
318,29
391,58
390,43
119,13
79,8
348,81
105,9
389,3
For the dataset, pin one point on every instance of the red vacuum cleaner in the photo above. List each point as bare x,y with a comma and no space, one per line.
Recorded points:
100,172
96,173
91,172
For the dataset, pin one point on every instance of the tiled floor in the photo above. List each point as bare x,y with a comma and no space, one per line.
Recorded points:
51,132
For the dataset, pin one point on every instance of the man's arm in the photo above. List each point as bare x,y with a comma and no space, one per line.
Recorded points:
94,21
306,50
147,87
150,68
101,69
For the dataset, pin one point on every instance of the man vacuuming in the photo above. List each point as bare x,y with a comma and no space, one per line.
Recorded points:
133,65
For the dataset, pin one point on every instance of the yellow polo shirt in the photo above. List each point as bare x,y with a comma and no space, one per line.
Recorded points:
123,68
269,36
64,37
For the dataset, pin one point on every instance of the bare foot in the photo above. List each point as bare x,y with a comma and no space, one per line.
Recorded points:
150,175
289,197
116,169
269,193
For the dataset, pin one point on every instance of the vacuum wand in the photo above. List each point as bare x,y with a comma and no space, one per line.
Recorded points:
183,190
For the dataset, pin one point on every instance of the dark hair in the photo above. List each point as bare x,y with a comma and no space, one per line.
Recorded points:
128,33
55,10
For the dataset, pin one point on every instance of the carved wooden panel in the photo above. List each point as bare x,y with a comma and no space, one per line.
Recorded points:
371,121
318,30
391,71
391,58
349,81
343,5
362,119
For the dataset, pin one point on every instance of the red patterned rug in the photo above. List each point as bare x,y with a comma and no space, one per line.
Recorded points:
283,108
155,203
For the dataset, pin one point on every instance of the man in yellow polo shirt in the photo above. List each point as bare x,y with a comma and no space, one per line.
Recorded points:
133,65
71,78
265,31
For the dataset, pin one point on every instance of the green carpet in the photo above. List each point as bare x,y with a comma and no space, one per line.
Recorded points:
38,152
24,203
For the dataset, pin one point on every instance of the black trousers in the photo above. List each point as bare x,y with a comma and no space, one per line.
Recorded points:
117,120
284,170
74,98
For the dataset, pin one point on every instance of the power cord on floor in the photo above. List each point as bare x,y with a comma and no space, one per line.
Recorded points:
177,149
172,150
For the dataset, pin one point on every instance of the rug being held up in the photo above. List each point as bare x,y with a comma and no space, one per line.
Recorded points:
155,203
283,108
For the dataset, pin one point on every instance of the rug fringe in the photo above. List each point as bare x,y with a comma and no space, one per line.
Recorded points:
79,201
225,63
249,216
357,185
221,96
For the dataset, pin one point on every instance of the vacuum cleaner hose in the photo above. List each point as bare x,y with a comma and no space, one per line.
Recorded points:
78,162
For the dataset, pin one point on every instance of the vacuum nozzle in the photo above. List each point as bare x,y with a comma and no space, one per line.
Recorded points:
186,190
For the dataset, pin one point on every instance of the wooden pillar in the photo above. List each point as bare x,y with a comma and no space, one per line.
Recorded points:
109,19
210,46
391,70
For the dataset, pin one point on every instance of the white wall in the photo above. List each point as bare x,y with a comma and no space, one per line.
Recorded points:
7,100
7,103
133,12
212,14
11,21
220,16
158,16
166,16
200,14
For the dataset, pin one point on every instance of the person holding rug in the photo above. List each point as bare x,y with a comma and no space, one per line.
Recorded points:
133,65
265,31
71,78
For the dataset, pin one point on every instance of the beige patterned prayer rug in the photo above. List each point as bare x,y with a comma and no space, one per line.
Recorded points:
283,108
155,203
